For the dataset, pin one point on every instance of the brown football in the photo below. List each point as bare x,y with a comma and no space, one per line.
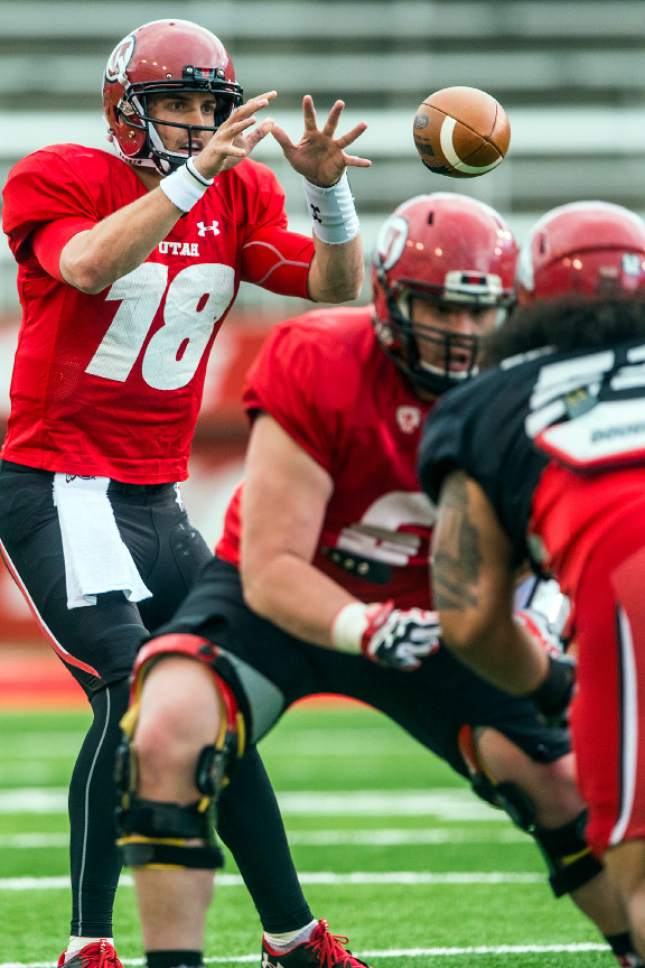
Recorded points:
461,132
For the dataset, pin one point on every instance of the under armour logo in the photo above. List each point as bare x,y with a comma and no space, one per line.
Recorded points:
315,213
202,228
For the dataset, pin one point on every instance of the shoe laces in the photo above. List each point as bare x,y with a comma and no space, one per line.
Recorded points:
100,954
330,948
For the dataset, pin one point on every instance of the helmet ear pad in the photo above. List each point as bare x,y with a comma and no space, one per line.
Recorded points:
130,129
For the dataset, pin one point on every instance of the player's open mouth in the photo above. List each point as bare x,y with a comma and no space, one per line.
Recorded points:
458,363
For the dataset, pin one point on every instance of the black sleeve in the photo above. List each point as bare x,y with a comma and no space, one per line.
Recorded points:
441,449
479,429
450,427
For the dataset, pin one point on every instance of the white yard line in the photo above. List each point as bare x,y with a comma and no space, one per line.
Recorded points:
441,804
574,949
397,838
410,878
26,841
377,837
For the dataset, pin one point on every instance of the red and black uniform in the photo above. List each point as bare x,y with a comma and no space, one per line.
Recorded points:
557,443
111,384
104,397
108,386
326,380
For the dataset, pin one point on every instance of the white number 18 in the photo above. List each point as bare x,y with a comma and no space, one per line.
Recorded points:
196,299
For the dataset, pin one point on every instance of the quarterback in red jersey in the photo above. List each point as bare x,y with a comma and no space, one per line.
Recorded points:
128,263
323,564
542,458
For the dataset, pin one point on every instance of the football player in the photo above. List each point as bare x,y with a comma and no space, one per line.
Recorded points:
323,565
128,262
543,458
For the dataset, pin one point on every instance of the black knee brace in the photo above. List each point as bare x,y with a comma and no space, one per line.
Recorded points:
568,858
155,834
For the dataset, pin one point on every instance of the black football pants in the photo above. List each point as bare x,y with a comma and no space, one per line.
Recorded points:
98,644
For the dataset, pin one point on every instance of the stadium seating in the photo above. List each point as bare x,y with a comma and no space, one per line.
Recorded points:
571,75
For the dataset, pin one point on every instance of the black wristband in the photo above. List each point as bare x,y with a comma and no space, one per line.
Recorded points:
554,694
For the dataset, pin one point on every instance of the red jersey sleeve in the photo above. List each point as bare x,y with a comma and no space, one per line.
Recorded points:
272,256
49,240
41,189
295,381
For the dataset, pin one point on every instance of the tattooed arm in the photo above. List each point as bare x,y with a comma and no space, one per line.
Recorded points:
472,583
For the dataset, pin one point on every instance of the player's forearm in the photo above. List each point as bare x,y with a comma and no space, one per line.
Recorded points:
503,654
336,272
95,259
296,596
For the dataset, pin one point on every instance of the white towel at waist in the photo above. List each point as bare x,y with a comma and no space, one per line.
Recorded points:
96,558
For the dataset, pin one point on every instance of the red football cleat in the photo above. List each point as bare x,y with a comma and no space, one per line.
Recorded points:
321,950
98,954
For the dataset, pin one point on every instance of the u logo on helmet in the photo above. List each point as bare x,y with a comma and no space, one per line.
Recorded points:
119,59
391,241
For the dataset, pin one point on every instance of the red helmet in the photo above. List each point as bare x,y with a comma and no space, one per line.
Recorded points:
444,248
590,248
157,58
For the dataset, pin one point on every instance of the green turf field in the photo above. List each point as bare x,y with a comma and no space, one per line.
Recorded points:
393,850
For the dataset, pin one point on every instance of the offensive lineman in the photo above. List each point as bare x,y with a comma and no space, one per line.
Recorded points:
128,263
543,458
324,558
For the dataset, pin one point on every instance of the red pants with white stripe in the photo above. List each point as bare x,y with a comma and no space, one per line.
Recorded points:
608,714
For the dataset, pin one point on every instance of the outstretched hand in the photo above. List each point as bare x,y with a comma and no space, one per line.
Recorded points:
319,156
236,138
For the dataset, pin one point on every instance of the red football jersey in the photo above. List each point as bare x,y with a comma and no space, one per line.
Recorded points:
111,384
326,380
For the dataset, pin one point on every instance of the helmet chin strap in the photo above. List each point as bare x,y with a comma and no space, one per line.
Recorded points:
164,161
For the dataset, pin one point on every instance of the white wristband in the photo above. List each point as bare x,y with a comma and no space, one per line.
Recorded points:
332,210
348,627
185,186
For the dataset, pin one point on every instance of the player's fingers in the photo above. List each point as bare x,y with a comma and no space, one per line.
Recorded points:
254,137
333,118
261,99
238,126
352,135
251,106
309,111
281,137
235,151
353,161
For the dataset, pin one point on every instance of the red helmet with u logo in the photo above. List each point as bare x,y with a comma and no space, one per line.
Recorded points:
447,249
163,57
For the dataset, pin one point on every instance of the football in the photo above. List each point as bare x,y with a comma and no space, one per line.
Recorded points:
461,132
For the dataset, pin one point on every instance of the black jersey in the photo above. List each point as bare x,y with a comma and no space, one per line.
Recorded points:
585,409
